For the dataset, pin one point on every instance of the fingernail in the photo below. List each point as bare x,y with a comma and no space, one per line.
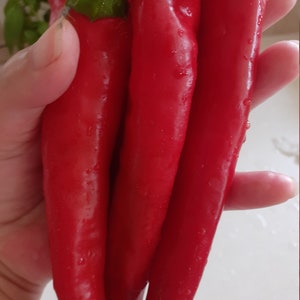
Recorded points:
49,47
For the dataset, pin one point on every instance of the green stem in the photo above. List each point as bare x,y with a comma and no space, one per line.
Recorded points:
99,9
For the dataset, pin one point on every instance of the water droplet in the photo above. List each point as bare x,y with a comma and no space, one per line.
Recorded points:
186,11
81,261
250,41
247,101
259,20
180,32
248,125
179,73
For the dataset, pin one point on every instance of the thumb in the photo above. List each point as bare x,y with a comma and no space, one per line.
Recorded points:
33,78
40,73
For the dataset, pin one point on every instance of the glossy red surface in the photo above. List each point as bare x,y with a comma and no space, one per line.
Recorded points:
78,137
228,47
163,74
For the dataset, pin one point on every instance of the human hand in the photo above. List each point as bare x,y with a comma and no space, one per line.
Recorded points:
29,81
37,76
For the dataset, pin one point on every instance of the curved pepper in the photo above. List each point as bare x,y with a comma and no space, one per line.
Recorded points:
228,47
163,74
78,137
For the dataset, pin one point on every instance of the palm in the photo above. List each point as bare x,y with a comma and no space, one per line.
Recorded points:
23,239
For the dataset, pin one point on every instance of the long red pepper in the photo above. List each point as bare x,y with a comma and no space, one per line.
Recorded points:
78,137
228,46
163,73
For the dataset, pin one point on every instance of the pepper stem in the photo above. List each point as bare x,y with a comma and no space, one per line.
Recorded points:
99,9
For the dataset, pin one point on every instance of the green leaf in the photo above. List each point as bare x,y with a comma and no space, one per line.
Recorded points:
13,26
33,6
98,9
11,3
42,27
30,37
24,22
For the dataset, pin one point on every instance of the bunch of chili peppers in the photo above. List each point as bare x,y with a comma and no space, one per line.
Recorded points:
140,151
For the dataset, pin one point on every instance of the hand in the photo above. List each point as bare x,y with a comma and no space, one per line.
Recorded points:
36,77
30,80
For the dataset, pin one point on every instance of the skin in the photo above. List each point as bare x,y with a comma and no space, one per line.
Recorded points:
37,76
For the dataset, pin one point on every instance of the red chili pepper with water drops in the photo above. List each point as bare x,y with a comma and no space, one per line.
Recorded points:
163,74
78,136
228,47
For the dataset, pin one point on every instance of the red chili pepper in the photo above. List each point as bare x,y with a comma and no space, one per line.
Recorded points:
56,7
163,74
78,136
228,46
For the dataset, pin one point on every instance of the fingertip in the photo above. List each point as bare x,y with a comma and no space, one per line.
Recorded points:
260,189
277,66
57,76
276,10
279,187
291,187
40,73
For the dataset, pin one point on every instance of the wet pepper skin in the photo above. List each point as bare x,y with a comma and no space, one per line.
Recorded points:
163,74
228,46
78,137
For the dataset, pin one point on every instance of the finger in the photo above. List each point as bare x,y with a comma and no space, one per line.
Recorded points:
260,189
28,81
38,74
276,10
277,66
35,77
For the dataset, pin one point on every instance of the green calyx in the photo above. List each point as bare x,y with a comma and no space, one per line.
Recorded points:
99,9
24,22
